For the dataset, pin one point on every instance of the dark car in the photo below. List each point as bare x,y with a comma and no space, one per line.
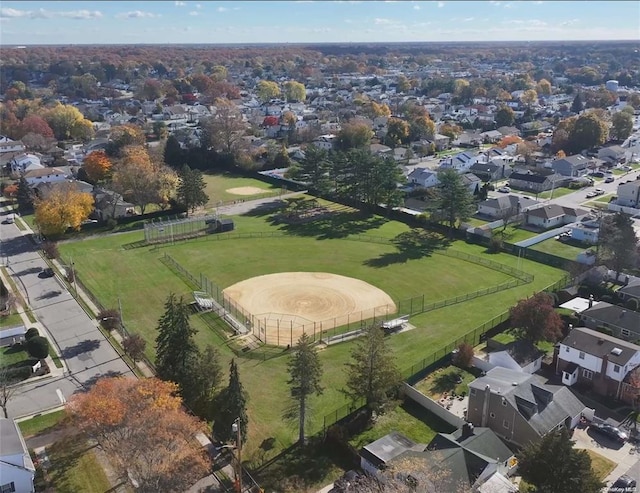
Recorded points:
624,484
609,179
47,272
609,431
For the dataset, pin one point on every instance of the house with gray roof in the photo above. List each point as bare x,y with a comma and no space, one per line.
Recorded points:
535,182
597,361
576,165
631,290
16,467
423,177
624,323
519,407
505,205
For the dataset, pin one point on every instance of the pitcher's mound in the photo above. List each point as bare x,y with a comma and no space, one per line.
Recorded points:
245,190
295,302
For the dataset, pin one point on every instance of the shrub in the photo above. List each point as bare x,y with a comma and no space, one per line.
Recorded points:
38,347
463,355
50,249
111,223
632,304
32,332
495,245
134,346
109,319
18,374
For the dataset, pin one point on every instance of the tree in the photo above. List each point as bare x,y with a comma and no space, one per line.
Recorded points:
450,130
463,356
544,87
421,127
37,125
97,166
232,405
32,332
634,382
223,131
24,196
191,189
145,433
617,242
135,177
313,169
505,117
552,465
621,125
38,347
67,122
529,97
134,346
455,200
305,373
202,392
64,207
588,132
577,105
176,350
294,91
173,153
267,90
353,135
397,132
124,136
7,388
535,319
372,374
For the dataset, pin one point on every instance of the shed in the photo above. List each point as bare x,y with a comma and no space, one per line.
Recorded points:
223,225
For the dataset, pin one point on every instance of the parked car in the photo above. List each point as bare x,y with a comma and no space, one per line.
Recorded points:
609,179
597,174
599,191
46,272
504,189
609,431
591,194
8,220
623,484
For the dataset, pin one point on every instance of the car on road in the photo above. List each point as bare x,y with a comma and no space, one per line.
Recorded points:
504,189
591,194
46,272
599,191
8,220
597,174
609,431
609,179
624,484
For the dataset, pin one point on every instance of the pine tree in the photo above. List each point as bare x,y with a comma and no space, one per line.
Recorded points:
576,106
173,153
24,196
305,373
176,351
231,404
455,199
204,382
372,372
191,190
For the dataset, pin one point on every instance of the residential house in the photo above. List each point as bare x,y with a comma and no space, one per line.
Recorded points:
508,131
9,145
442,142
553,216
505,205
613,154
597,361
576,165
44,175
629,194
490,171
470,456
423,177
631,290
460,162
623,323
491,136
22,162
472,182
16,467
325,142
380,149
586,232
535,182
518,355
109,204
519,407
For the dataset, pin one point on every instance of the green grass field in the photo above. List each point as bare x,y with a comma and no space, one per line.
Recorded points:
218,184
139,278
44,423
559,248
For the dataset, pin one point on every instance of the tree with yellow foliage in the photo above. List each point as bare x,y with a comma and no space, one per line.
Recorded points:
67,122
97,166
143,429
135,177
64,207
267,90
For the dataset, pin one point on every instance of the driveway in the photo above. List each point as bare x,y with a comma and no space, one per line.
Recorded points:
88,355
627,456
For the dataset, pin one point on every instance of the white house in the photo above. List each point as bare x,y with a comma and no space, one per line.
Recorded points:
596,359
629,194
325,142
9,145
586,232
44,175
423,177
461,162
22,162
16,467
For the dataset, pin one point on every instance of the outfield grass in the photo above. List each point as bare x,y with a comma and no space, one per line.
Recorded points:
218,184
559,248
137,276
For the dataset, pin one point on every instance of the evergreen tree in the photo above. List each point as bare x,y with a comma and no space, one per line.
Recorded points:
313,169
305,373
204,382
576,106
372,372
176,351
231,404
173,153
455,199
191,190
552,465
617,242
24,196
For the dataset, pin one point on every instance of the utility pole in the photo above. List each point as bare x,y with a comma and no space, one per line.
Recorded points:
235,427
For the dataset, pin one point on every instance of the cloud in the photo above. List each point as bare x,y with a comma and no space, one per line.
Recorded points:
180,4
136,14
81,14
468,19
383,22
416,7
198,5
440,5
222,9
194,13
570,22
8,13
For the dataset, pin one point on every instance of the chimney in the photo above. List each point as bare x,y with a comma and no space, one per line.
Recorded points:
467,430
485,405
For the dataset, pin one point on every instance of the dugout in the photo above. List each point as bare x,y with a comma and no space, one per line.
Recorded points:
223,225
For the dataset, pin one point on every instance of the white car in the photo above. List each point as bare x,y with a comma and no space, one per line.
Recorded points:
504,189
599,191
591,194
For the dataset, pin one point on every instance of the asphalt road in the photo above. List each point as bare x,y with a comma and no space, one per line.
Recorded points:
88,355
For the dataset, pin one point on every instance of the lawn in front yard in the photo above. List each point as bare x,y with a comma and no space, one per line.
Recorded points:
600,464
12,320
13,356
565,249
44,423
446,380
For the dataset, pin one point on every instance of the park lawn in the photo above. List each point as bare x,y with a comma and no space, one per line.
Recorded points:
443,380
74,467
409,419
12,320
218,184
111,269
559,248
600,464
43,423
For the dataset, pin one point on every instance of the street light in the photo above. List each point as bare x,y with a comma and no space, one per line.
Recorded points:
235,428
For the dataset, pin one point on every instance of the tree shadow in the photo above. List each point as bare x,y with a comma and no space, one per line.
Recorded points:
47,295
30,270
446,382
82,347
411,245
336,225
90,382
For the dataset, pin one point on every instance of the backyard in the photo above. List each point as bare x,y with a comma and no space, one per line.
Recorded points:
565,249
449,380
113,270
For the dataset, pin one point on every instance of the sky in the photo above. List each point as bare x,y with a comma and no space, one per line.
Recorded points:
182,21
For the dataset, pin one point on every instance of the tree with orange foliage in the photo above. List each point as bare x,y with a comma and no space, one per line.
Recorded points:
64,207
143,429
135,177
97,166
10,191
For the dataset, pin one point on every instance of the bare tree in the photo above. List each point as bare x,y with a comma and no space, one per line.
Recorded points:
7,388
